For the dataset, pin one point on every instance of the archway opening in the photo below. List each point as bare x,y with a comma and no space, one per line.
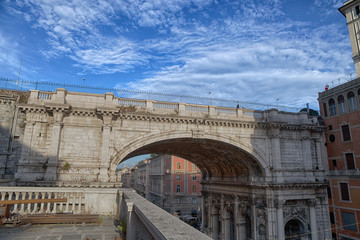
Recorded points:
294,230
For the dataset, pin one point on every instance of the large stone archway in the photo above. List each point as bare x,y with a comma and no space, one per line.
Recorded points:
216,156
257,164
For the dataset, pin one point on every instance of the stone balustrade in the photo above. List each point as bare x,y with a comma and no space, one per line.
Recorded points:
108,100
79,200
147,221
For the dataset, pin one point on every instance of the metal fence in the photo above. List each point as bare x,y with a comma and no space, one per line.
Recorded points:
25,85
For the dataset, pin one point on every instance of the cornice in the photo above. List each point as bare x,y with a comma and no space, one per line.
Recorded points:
205,121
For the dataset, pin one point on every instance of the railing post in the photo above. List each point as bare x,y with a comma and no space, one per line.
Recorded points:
149,104
212,111
130,226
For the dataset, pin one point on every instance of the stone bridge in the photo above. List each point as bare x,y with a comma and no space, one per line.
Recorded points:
263,172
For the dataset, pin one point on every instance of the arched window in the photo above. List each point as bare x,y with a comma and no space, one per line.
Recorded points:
178,165
325,109
178,188
332,107
352,101
341,103
194,188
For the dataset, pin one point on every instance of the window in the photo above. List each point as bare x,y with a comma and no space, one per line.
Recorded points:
194,200
332,218
194,177
178,200
334,163
194,167
349,221
325,109
329,192
357,10
332,138
332,107
351,101
178,188
350,160
341,103
330,127
344,190
194,188
345,129
178,166
178,177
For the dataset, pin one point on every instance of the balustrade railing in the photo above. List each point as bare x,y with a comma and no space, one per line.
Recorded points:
197,108
45,96
166,105
75,200
131,102
226,110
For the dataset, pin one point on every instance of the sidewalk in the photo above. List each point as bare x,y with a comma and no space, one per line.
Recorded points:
105,231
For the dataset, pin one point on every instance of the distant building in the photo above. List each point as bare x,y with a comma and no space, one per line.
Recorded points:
170,182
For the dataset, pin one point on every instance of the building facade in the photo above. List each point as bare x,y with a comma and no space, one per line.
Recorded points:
170,182
340,111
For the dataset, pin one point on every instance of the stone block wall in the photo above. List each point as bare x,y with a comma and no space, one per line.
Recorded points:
12,124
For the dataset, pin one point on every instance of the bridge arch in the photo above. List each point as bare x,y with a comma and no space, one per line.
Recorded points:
216,155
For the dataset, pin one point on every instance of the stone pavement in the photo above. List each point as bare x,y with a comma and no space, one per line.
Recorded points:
105,231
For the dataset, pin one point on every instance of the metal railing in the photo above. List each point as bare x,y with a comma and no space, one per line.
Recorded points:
133,96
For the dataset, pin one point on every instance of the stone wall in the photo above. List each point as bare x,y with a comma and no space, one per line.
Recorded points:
12,124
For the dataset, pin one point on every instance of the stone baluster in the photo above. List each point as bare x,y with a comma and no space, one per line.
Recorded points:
28,206
42,204
36,205
80,203
54,209
23,196
48,205
67,195
16,205
313,225
73,201
280,219
61,195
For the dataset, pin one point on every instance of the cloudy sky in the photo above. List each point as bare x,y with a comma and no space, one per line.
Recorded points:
244,50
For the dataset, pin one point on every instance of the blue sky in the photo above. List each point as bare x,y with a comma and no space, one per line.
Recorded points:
246,50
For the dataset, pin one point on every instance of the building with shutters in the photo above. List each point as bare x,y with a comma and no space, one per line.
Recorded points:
340,111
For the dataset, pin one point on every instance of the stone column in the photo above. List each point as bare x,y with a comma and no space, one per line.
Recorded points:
209,209
280,219
105,155
236,218
51,169
215,222
226,221
276,152
313,225
203,213
222,216
26,146
253,219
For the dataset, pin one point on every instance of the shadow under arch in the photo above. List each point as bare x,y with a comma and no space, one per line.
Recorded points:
215,155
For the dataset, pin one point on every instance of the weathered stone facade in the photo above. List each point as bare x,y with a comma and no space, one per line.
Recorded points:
261,169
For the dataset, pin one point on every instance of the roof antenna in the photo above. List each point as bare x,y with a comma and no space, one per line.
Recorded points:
17,82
